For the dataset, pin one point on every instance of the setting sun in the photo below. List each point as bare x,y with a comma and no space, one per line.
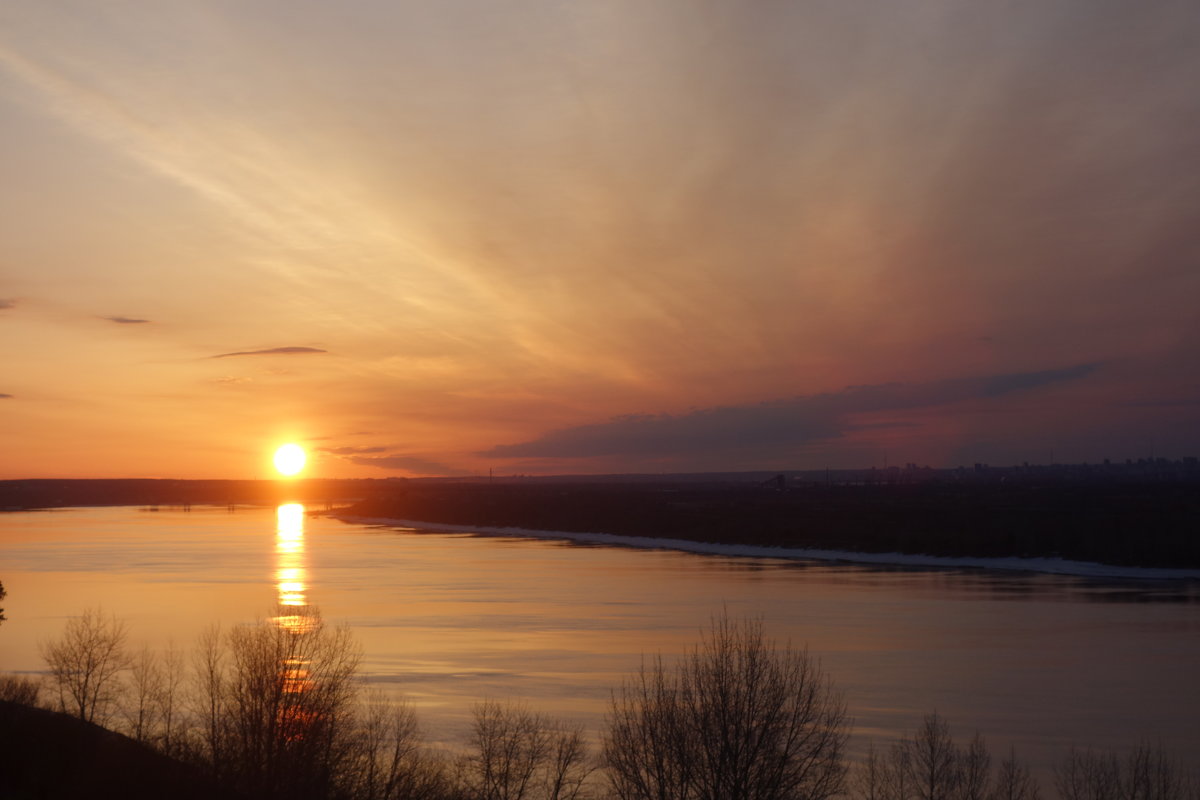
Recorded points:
289,459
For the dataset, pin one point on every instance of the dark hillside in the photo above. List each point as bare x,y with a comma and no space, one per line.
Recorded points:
52,756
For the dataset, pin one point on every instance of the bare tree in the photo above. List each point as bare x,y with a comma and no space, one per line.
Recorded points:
517,754
884,776
510,744
84,664
975,768
1148,772
167,701
148,700
738,719
869,779
208,701
648,745
288,699
389,761
19,689
568,766
935,761
899,779
140,703
1088,775
1014,781
928,764
1151,774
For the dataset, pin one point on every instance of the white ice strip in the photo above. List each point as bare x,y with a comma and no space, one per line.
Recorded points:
1055,566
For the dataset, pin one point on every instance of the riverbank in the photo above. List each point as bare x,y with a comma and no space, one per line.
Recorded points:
1053,566
1118,531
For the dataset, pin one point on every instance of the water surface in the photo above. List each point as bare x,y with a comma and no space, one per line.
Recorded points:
1038,661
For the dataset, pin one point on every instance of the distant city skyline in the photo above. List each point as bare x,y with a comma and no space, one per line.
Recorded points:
544,238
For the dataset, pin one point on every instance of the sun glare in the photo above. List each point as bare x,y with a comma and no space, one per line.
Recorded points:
289,459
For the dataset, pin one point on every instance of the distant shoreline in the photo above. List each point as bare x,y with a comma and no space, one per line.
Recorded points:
1150,528
1031,528
1046,566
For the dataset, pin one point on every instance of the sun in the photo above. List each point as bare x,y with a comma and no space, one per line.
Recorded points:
289,459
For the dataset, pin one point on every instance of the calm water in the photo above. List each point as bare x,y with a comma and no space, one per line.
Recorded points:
1041,662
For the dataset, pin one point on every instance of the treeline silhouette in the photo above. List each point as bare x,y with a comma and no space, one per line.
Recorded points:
277,710
1146,525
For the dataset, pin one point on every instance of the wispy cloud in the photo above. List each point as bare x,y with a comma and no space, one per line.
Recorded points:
127,320
4,396
774,426
273,351
352,451
7,303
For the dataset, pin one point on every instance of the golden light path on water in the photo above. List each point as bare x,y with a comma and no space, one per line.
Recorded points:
291,574
294,617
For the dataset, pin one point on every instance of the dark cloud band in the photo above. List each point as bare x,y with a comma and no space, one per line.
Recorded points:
414,464
773,425
352,451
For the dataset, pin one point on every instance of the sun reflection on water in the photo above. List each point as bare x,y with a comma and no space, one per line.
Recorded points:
291,574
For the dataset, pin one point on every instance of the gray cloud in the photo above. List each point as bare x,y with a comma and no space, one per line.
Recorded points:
127,320
1184,402
415,464
770,426
4,396
273,351
7,304
1003,384
351,451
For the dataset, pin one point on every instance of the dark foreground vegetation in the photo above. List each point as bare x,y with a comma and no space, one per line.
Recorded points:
44,754
276,710
1129,524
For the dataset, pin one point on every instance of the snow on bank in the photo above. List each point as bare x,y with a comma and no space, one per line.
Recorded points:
1055,566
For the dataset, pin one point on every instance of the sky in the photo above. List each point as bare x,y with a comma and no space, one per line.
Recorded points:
540,237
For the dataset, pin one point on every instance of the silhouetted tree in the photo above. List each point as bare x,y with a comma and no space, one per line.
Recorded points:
19,689
1014,781
139,700
975,770
389,761
1151,774
935,761
929,764
3,594
84,665
869,780
519,755
1147,773
208,702
1088,775
288,703
737,719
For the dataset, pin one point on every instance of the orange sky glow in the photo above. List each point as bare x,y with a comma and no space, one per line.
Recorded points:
537,238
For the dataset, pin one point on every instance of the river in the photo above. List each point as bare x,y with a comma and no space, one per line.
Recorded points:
1038,662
